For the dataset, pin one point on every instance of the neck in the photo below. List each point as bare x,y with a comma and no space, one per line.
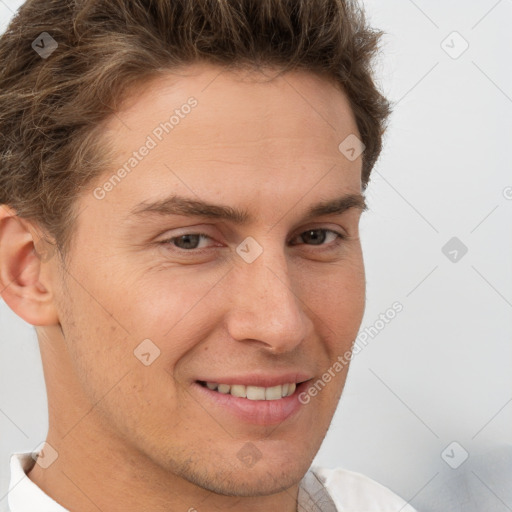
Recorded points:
88,476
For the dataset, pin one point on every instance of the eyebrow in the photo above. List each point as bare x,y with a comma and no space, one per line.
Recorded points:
179,205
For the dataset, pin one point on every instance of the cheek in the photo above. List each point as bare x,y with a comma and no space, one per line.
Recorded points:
175,310
101,342
125,307
348,300
336,297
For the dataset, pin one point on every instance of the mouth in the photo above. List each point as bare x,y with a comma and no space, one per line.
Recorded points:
250,403
252,392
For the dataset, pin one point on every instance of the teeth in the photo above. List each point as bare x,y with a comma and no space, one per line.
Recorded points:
223,388
254,392
274,393
238,390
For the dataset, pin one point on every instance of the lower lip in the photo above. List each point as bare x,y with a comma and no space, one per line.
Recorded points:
256,412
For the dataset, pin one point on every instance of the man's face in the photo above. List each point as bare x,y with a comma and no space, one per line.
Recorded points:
214,312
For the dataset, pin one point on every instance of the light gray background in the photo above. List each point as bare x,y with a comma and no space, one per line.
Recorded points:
440,371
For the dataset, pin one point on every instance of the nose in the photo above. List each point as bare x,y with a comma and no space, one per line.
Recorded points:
265,308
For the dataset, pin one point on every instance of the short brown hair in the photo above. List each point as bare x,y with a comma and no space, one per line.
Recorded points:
51,109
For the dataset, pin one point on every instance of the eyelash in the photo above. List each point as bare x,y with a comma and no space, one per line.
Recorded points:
340,237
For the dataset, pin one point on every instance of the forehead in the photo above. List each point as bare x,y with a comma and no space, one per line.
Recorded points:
235,107
209,133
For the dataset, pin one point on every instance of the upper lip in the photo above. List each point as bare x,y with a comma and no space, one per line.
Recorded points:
260,380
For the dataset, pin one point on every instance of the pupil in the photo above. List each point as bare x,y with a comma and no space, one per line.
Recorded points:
317,240
188,239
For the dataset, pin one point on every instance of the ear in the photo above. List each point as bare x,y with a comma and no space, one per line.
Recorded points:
25,279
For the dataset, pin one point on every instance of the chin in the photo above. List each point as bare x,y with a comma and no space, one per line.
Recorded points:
250,482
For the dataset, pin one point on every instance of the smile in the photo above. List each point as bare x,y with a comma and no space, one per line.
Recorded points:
254,399
253,392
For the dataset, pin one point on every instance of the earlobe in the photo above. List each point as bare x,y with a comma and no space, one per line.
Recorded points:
25,283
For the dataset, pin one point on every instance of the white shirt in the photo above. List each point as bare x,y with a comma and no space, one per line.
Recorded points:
321,490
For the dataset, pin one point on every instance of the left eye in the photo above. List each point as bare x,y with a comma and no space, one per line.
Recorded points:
319,236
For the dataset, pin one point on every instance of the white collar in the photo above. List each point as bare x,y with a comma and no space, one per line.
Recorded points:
25,495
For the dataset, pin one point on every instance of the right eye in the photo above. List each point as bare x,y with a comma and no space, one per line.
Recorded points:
187,241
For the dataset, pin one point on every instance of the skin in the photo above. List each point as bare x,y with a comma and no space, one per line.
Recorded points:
132,437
